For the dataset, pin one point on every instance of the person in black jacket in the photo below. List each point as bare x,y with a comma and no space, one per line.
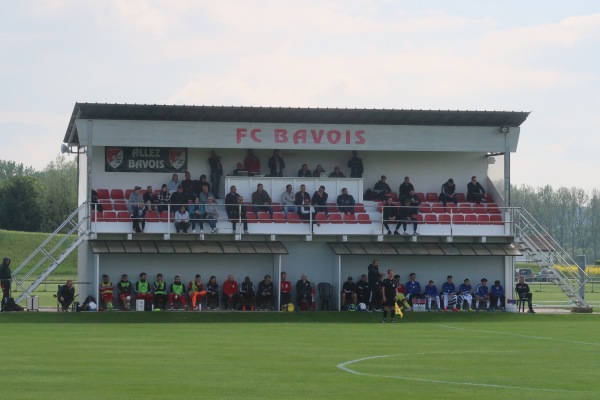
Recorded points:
475,192
390,214
405,215
248,295
405,188
374,276
381,189
319,200
66,295
276,164
448,192
356,165
5,279
303,293
265,293
524,293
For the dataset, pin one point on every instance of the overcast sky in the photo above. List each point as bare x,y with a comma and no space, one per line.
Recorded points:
540,56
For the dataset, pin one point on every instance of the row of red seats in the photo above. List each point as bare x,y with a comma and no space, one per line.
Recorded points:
263,217
451,208
461,219
433,197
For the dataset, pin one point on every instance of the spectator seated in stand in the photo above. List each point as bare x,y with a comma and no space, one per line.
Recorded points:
182,220
475,192
405,188
319,201
178,199
164,198
261,201
381,190
345,202
173,184
150,199
448,193
318,172
205,194
304,172
288,200
337,173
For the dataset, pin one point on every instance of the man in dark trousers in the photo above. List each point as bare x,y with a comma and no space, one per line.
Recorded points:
5,279
374,288
303,293
524,293
356,165
66,295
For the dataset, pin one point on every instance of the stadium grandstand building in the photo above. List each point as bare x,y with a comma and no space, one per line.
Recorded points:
121,146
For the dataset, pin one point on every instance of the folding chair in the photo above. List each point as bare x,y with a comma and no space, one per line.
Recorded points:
326,295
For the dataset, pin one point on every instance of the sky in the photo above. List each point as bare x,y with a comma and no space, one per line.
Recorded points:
541,56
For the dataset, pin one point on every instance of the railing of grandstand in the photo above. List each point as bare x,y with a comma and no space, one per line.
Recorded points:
320,220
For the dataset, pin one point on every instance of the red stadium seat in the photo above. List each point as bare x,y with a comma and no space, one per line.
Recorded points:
164,217
95,216
380,207
108,216
276,207
425,208
470,219
489,198
152,216
349,219
103,194
264,217
420,196
493,209
363,218
458,219
460,197
479,209
279,217
119,205
128,193
106,204
123,216
332,207
483,219
322,218
293,218
359,208
419,218
335,218
452,208
438,210
117,194
393,195
251,217
431,219
465,208
444,219
496,219
431,197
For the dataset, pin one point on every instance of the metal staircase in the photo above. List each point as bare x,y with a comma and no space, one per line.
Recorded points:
53,252
534,240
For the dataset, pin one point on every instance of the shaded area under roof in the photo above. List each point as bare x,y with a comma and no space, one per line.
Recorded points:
185,247
139,112
425,249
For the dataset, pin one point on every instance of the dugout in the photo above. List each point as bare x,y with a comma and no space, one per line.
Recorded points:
123,145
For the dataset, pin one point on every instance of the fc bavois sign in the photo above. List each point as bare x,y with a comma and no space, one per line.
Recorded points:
144,159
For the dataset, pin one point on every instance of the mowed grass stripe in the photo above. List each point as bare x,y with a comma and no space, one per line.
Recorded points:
294,360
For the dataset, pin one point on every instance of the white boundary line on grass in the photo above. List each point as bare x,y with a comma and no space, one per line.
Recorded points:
343,367
520,335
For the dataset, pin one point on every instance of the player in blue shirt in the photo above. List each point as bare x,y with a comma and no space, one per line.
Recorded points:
482,293
465,294
449,294
497,297
432,294
413,288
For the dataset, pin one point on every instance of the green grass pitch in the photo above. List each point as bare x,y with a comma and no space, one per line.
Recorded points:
327,355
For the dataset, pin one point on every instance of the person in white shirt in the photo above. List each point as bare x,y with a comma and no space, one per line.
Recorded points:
182,220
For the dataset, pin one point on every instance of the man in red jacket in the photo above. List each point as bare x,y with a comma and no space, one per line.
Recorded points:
231,295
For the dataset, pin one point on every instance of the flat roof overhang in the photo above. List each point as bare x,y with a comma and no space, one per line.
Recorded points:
186,247
425,249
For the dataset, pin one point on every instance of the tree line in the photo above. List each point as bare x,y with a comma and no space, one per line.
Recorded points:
39,201
570,215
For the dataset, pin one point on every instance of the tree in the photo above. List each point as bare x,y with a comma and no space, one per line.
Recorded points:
11,168
59,198
19,203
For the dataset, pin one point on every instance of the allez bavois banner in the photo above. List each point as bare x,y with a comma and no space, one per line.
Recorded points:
145,159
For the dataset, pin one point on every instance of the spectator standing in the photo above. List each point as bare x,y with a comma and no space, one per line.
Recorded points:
252,163
304,172
374,288
288,200
5,279
216,172
276,164
475,192
346,202
356,165
137,211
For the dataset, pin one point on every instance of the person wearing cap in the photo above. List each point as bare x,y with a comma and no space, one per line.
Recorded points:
497,296
137,210
448,192
5,279
356,165
178,199
349,292
475,192
381,189
482,294
303,293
